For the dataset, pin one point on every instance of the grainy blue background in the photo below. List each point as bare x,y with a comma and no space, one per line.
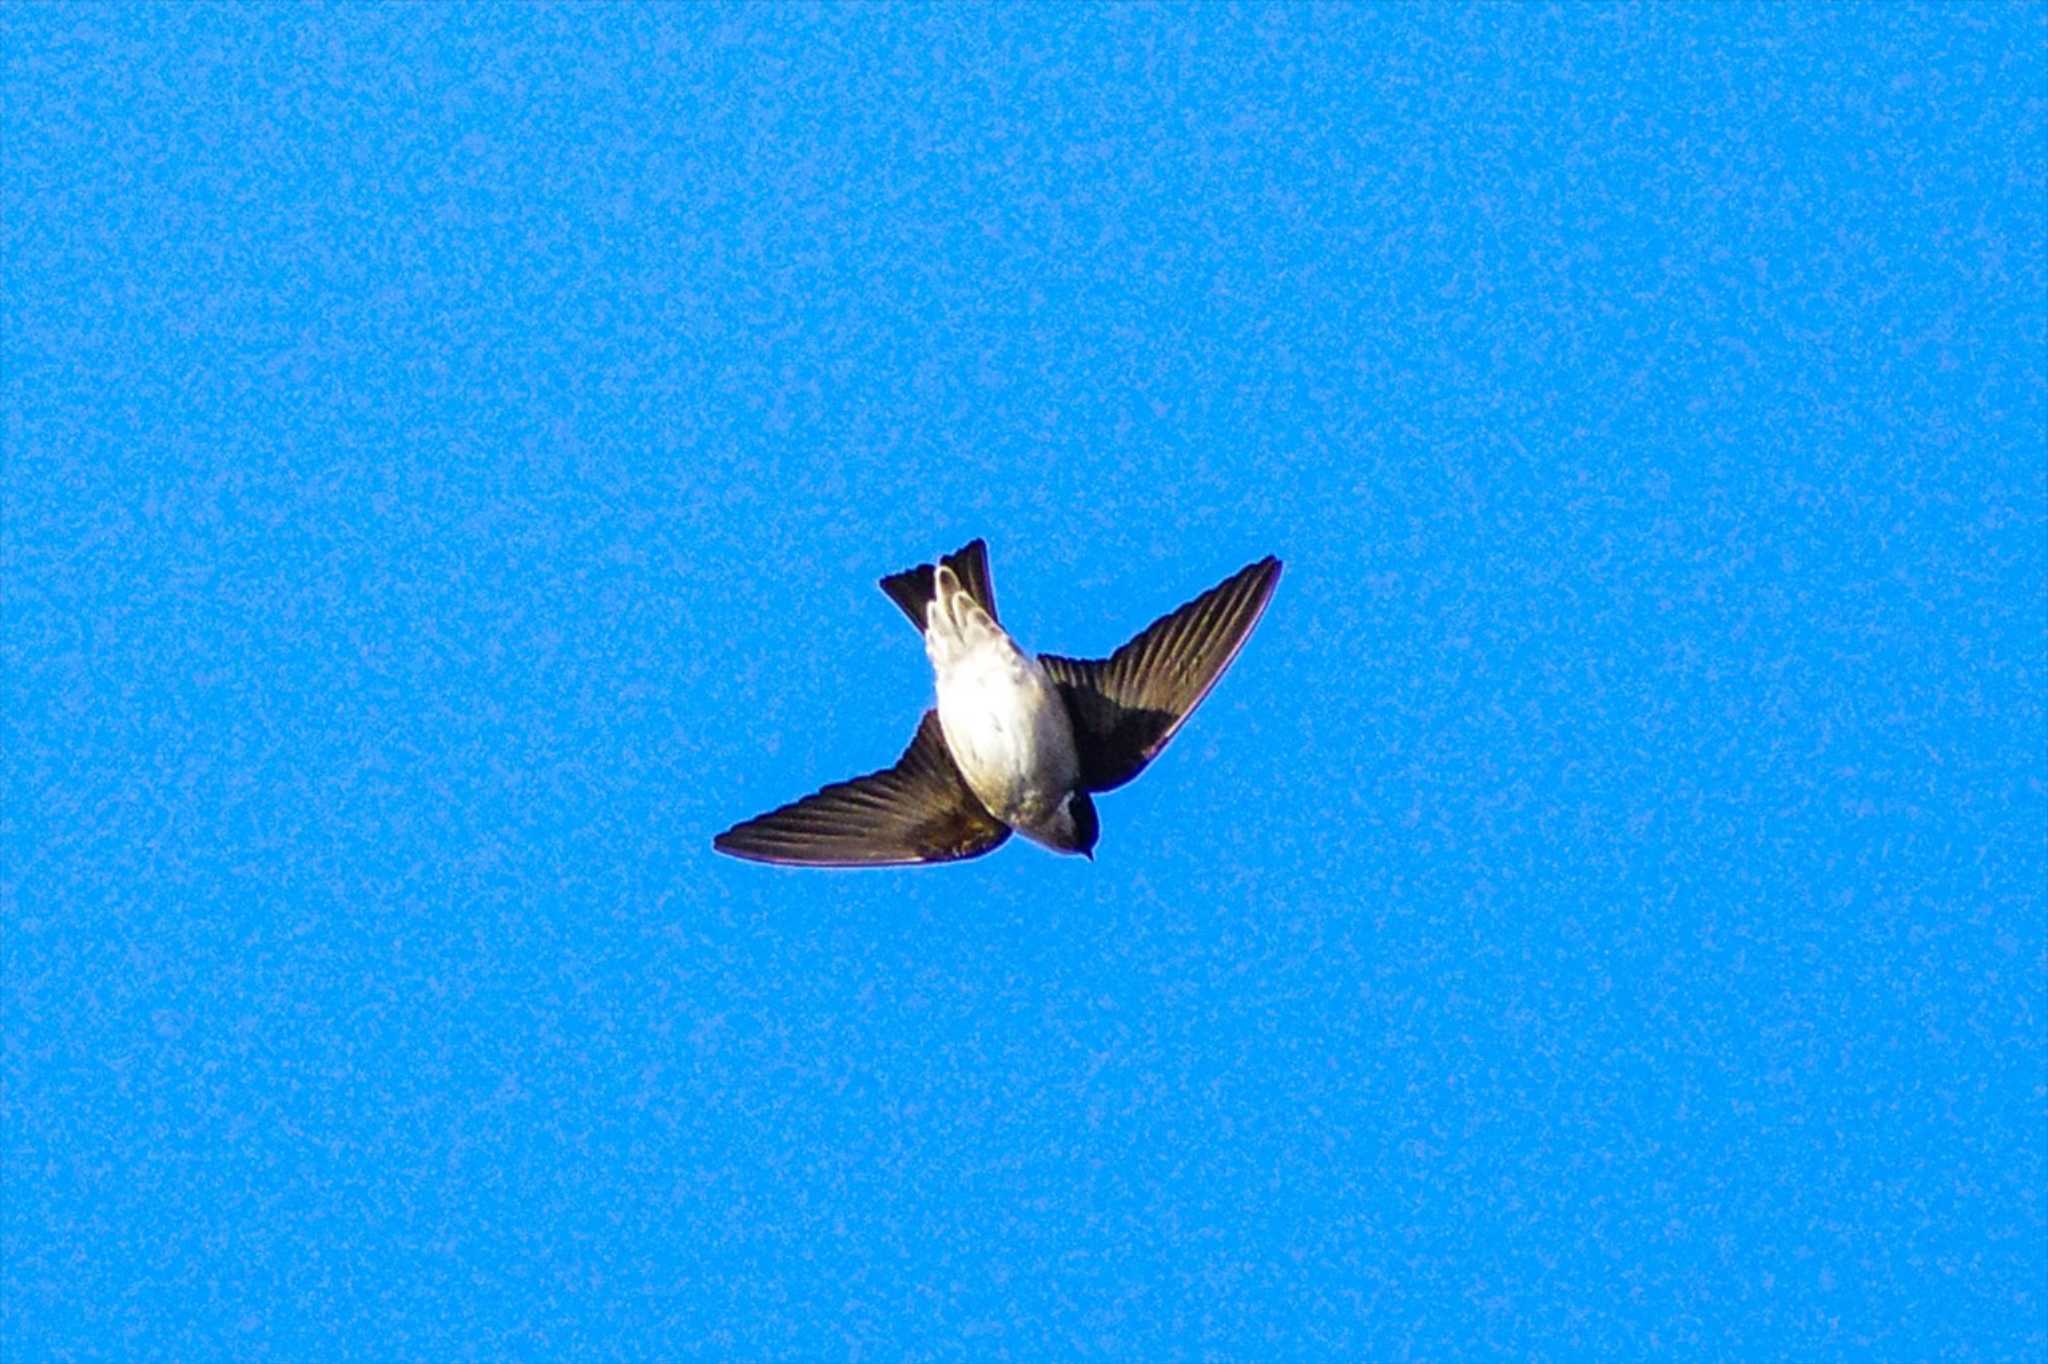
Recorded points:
448,456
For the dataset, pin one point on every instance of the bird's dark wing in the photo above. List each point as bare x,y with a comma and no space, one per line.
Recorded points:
920,810
912,588
1127,706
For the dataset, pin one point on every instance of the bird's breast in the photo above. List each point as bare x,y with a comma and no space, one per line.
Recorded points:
1008,730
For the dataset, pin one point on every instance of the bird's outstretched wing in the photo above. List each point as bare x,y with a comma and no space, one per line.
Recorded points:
920,810
1126,707
912,588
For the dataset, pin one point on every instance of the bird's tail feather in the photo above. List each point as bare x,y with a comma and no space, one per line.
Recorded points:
913,589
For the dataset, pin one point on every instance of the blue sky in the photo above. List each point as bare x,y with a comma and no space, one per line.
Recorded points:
449,454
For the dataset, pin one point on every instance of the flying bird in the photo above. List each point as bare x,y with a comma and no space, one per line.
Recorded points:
1018,742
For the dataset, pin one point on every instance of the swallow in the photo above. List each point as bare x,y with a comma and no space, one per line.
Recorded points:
1017,742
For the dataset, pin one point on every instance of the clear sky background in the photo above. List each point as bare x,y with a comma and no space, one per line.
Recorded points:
449,454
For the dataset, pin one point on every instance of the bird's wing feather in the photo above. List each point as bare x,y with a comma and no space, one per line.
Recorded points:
1126,707
920,810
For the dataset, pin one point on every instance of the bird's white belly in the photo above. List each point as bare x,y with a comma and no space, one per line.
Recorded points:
1008,730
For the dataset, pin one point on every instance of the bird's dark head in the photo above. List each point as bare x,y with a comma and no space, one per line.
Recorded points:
1076,828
